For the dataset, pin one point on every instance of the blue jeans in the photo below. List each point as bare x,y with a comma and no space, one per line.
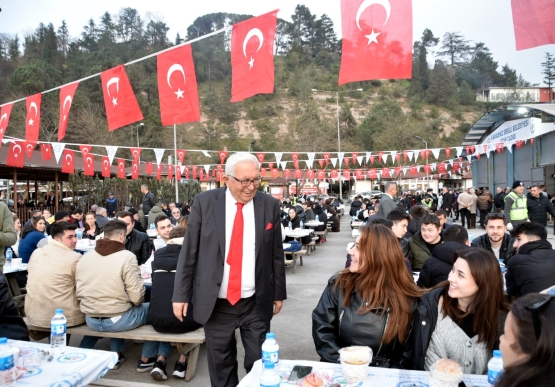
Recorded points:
156,348
133,318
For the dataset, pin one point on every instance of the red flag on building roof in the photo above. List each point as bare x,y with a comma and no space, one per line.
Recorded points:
66,100
121,168
377,40
252,56
68,161
177,86
15,154
88,164
121,105
46,150
534,23
106,166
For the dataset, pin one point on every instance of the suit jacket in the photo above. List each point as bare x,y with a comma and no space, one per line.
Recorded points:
386,206
200,268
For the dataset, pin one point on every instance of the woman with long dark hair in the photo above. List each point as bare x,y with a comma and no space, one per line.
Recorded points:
462,318
371,303
528,344
92,229
30,237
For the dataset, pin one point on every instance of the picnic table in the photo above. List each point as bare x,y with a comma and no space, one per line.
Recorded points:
313,223
382,377
11,272
85,245
69,367
297,233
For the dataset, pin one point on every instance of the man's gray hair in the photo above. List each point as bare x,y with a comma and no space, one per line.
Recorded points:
388,185
100,210
144,186
238,158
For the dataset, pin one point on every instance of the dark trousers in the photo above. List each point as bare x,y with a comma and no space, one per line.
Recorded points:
483,214
465,214
221,346
472,220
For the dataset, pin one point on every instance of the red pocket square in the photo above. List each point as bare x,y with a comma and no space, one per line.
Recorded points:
269,226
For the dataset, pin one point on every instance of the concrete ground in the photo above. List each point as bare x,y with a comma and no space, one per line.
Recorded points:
293,326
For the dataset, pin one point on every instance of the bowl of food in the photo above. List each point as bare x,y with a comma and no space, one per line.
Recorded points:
354,363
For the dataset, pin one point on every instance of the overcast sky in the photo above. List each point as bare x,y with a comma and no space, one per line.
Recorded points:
488,21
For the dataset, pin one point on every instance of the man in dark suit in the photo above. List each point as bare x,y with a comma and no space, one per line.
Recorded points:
231,267
387,204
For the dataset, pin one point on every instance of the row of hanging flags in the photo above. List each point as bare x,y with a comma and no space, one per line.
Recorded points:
377,44
357,165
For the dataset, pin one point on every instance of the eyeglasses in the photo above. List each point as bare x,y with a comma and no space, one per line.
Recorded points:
535,309
247,182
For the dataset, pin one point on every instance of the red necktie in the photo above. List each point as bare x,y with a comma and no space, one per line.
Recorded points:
235,257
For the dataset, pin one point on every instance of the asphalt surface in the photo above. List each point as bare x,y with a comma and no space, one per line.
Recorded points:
292,326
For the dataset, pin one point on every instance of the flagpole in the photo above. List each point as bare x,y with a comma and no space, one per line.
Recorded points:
176,164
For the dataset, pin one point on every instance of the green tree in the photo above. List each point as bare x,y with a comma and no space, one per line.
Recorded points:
454,47
63,38
508,77
442,84
466,96
548,69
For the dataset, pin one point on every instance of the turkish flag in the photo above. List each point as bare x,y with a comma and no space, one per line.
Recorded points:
135,169
321,174
170,172
181,153
271,165
327,158
32,120
121,105
66,100
177,86
252,56
29,148
385,172
187,172
15,154
413,170
121,168
380,156
298,174
68,161
46,150
263,172
195,168
222,155
377,40
158,171
448,151
106,166
287,173
354,156
149,168
310,174
321,162
441,167
533,22
372,158
347,160
178,173
260,157
358,174
5,118
372,173
135,153
347,174
85,149
275,173
88,164
398,170
334,174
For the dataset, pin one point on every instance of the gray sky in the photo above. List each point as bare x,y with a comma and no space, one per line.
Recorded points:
488,21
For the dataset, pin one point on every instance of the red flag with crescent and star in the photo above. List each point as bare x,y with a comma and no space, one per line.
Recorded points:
29,148
106,166
32,120
177,86
377,40
158,171
46,150
88,164
121,105
85,149
135,169
260,157
372,173
5,118
68,161
334,174
121,168
187,172
287,173
298,174
149,168
533,23
66,100
222,155
135,153
178,173
170,172
347,174
181,153
15,154
252,56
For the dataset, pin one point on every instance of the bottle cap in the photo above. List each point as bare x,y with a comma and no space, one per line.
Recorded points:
4,340
268,365
497,353
61,311
270,335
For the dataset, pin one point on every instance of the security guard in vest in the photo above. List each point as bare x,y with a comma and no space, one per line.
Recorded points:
516,207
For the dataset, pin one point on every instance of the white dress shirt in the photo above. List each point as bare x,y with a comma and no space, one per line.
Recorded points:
248,268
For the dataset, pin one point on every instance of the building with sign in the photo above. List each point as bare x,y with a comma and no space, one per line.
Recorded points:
516,94
513,142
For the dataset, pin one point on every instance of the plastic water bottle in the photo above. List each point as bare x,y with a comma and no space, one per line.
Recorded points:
495,367
9,256
290,226
317,218
79,234
152,226
470,237
7,365
270,349
354,218
302,224
58,326
502,266
269,377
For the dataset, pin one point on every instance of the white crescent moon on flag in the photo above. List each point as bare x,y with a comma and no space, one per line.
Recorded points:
68,99
121,165
17,146
136,152
85,151
70,158
34,105
367,3
89,161
175,67
30,147
254,32
106,164
4,116
111,82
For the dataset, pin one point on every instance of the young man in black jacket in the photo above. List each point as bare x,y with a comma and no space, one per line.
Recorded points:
538,206
532,269
137,242
496,238
400,221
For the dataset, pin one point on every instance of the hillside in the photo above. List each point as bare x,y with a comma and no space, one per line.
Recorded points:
437,104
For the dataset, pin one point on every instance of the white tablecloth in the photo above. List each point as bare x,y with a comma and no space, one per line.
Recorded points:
377,377
356,224
297,233
14,268
313,224
75,367
85,244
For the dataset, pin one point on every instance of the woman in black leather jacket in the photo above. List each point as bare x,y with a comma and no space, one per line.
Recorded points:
371,303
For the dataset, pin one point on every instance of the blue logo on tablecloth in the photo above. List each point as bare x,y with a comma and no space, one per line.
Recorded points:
342,382
33,372
63,383
72,357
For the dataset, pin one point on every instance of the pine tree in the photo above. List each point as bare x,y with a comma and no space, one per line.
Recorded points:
548,69
63,38
454,47
442,84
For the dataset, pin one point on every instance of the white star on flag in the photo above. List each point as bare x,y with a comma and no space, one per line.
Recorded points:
31,122
373,37
251,62
64,118
115,101
179,93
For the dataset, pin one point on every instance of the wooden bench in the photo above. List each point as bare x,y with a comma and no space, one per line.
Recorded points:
310,246
122,383
321,234
185,342
295,255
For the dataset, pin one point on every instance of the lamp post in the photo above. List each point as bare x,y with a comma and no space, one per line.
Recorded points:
141,124
338,133
252,143
425,142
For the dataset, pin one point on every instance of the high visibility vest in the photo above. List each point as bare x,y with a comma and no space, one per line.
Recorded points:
519,210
